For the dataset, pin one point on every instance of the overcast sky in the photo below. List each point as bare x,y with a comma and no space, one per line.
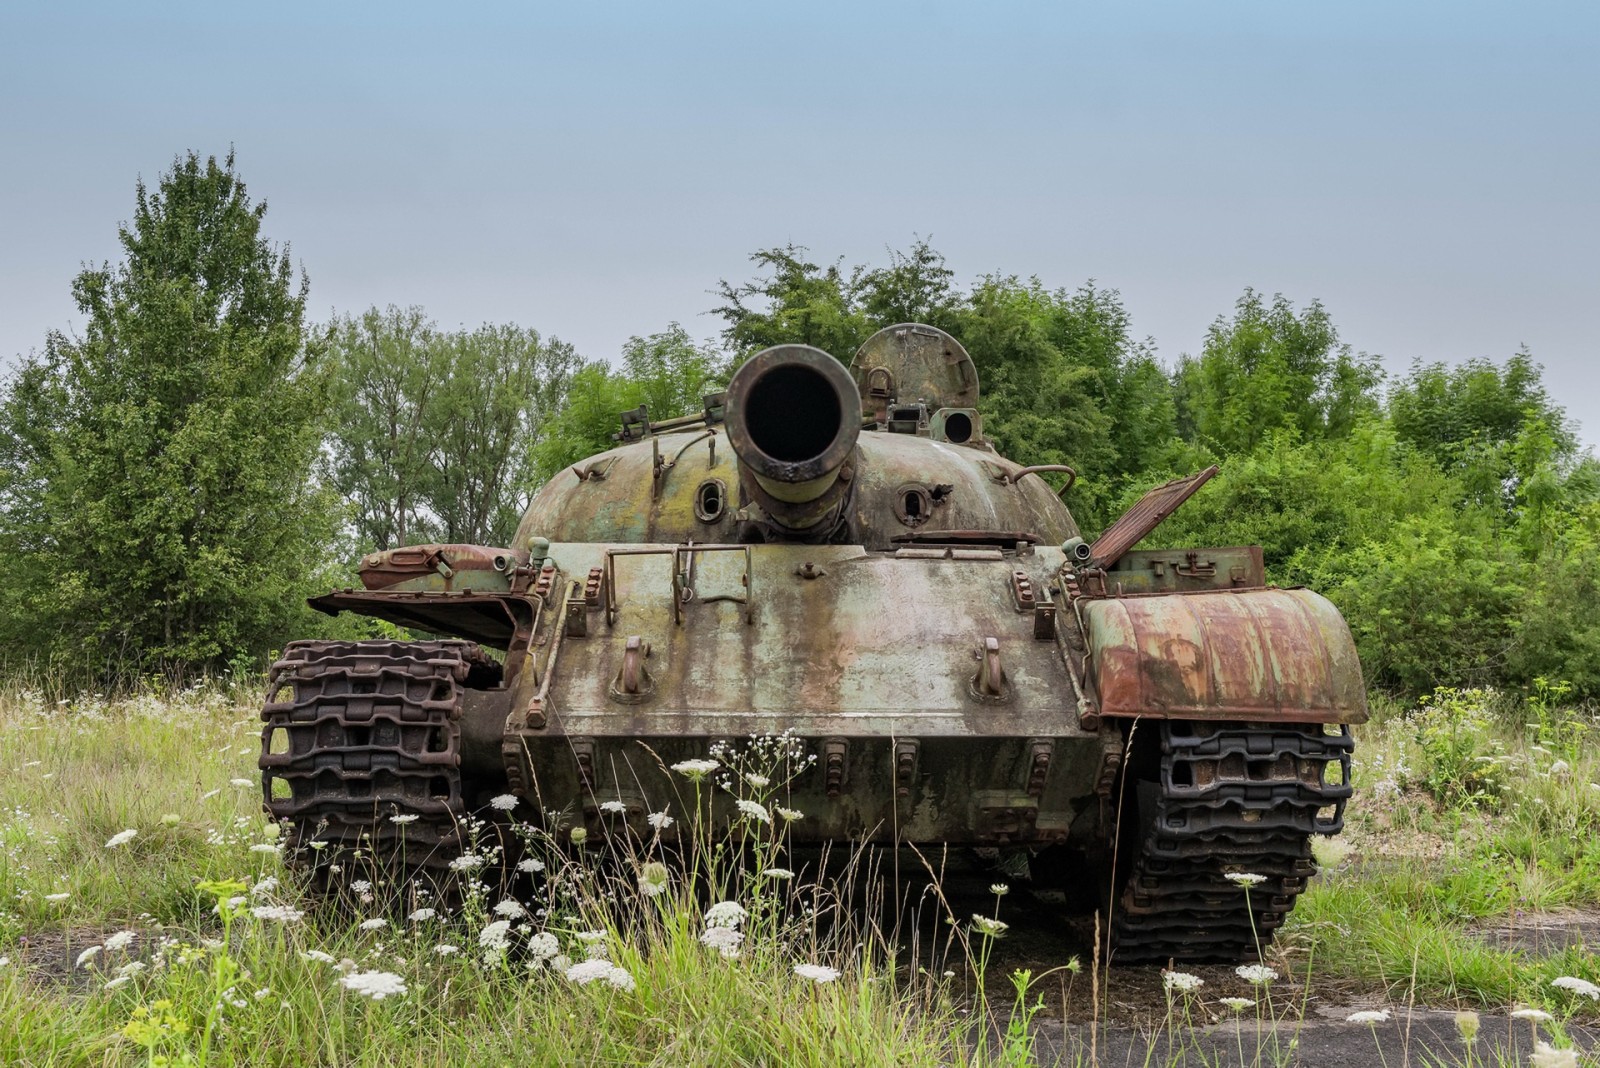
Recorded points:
1430,171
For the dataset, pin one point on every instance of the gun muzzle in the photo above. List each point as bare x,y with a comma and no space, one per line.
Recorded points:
793,416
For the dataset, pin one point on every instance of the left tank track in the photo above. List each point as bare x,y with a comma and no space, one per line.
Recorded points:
361,757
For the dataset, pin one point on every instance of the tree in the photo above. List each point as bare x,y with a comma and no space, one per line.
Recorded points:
435,429
157,511
667,372
1270,369
796,302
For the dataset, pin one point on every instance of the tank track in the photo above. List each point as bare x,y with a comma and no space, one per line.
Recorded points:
359,733
1231,798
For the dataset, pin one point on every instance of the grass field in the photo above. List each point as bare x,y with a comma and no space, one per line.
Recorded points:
145,918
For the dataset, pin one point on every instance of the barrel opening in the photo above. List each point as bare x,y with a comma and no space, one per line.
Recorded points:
793,413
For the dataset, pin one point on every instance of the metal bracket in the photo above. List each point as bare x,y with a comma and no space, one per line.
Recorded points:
990,681
905,767
835,765
633,683
1040,751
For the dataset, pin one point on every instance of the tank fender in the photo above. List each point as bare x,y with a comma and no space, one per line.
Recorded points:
1257,654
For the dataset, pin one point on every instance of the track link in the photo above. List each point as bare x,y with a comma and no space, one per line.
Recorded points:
1230,798
361,756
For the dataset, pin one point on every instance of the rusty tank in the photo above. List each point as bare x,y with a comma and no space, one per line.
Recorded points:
839,553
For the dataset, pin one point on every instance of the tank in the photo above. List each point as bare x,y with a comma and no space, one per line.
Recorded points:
837,556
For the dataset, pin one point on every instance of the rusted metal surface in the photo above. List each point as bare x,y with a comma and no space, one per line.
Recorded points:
913,362
491,618
440,568
1263,655
1180,570
1146,514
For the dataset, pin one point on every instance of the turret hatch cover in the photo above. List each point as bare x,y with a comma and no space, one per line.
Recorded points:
1145,516
911,362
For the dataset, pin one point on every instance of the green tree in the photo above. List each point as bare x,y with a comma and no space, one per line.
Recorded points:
667,372
157,510
434,432
793,301
1269,369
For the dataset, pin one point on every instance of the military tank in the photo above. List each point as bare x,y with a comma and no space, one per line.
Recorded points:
837,555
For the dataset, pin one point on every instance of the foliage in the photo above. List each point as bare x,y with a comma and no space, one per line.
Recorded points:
668,373
434,430
156,510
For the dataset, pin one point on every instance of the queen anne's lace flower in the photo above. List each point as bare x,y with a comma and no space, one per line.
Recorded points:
790,814
760,782
376,924
778,873
1545,1055
695,770
510,909
86,956
1237,1004
989,926
318,956
725,940
754,810
422,914
726,914
1245,878
496,935
403,818
1255,973
120,941
56,897
817,973
543,946
1581,987
590,970
660,820
374,985
1181,982
653,878
468,862
530,865
504,802
1536,1015
1368,1016
278,913
445,949
121,838
616,808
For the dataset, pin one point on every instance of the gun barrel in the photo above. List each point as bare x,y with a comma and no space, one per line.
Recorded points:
793,416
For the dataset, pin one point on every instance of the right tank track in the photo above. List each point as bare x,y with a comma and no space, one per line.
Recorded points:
361,757
1230,798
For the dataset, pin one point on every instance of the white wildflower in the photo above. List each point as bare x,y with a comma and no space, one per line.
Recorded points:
1237,1004
241,782
1581,987
660,820
120,941
653,878
695,770
988,926
760,782
616,808
530,865
778,873
1368,1016
999,889
5,962
445,949
511,910
590,970
790,814
403,818
374,985
265,886
726,914
1545,1055
422,915
1560,769
543,946
376,924
119,981
318,956
1181,982
361,886
1245,878
131,969
817,973
1329,851
589,938
264,847
86,956
121,838
496,935
754,810
725,940
504,802
468,862
1536,1015
56,897
1255,973
579,835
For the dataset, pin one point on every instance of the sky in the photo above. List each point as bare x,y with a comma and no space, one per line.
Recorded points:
1429,171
